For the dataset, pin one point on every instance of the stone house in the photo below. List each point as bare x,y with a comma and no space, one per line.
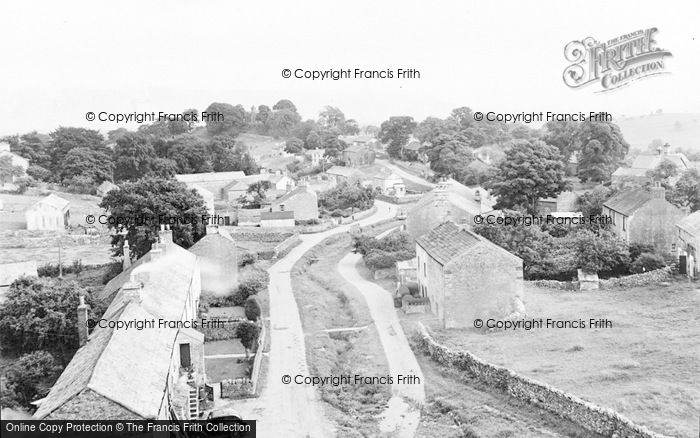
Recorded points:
51,213
449,201
105,187
359,155
341,174
390,184
218,256
7,182
645,216
689,244
276,219
302,201
465,276
636,174
315,156
152,373
212,181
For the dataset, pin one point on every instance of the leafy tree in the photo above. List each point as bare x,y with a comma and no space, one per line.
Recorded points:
332,118
395,132
93,166
294,146
562,135
531,170
602,148
258,190
663,171
450,155
351,127
602,253
282,121
154,197
8,170
686,192
191,155
429,129
40,314
31,377
647,262
313,141
234,120
229,155
32,146
263,115
591,203
248,332
116,134
285,104
135,157
347,196
39,173
252,309
64,139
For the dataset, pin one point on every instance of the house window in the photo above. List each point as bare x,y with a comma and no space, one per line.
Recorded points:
185,358
673,247
624,223
423,268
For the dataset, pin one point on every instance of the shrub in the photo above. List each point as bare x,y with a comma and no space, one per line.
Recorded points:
252,309
247,258
647,262
240,296
247,333
253,281
113,269
636,249
23,183
39,173
31,376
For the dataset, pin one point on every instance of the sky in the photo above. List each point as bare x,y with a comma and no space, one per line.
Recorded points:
63,59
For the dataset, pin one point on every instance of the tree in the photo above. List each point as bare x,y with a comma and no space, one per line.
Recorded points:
33,146
65,139
663,171
603,252
602,147
41,314
229,155
233,119
252,309
395,132
347,196
191,155
93,166
686,192
313,141
562,136
591,203
263,114
135,157
351,127
331,118
284,104
282,121
293,146
248,332
449,155
31,377
531,170
9,171
646,262
155,198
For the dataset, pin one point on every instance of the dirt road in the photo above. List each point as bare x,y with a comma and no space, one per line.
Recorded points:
292,410
403,414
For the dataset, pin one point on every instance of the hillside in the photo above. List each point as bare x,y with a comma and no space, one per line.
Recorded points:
680,130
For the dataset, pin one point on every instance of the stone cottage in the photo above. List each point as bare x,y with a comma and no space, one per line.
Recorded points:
645,216
449,201
359,155
152,373
211,181
636,174
689,245
302,201
466,276
218,256
389,183
51,213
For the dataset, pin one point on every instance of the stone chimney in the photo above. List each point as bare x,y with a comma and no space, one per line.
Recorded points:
126,262
667,149
82,322
155,253
165,236
477,195
658,192
132,289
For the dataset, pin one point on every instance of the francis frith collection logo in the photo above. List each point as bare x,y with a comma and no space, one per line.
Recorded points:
616,62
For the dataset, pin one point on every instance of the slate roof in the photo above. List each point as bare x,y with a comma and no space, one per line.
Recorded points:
691,224
628,201
447,241
650,161
276,215
130,367
9,272
299,190
53,201
209,176
217,244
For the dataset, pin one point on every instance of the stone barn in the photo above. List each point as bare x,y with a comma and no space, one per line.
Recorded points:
466,277
51,213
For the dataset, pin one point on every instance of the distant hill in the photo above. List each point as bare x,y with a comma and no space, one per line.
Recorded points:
679,130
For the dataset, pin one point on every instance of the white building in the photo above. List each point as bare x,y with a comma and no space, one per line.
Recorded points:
51,213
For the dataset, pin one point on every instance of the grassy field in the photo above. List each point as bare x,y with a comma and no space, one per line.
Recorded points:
325,302
14,206
645,367
679,130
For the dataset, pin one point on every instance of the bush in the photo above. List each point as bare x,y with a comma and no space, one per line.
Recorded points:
23,184
347,196
80,184
239,297
31,376
636,249
52,270
253,281
647,262
114,269
39,173
247,258
247,333
252,309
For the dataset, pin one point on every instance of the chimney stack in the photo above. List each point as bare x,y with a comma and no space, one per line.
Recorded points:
82,322
667,149
132,289
658,192
165,236
126,262
155,253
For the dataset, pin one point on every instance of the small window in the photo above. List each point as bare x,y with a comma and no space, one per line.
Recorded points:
424,268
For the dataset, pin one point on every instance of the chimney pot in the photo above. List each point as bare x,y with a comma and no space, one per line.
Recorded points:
82,322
